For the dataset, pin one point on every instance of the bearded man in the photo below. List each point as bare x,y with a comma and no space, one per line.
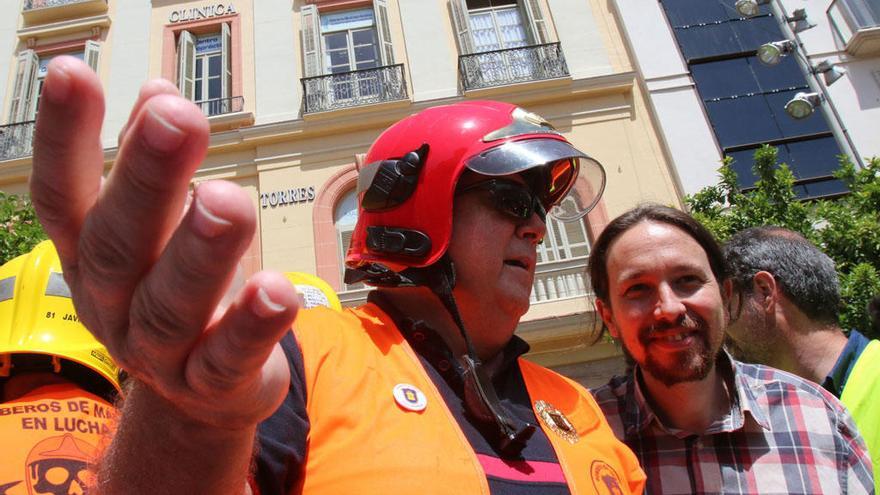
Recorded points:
699,421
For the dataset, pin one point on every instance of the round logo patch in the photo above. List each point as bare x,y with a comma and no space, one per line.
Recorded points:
605,479
409,397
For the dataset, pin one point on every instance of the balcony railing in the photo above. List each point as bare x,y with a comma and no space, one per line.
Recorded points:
219,106
560,280
354,88
16,140
37,12
512,65
857,22
44,4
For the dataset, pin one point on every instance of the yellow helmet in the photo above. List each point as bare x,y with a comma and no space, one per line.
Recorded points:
314,291
37,318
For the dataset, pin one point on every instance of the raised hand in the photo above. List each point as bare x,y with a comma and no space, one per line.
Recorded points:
147,277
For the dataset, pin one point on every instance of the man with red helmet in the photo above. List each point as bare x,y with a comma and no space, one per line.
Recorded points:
423,388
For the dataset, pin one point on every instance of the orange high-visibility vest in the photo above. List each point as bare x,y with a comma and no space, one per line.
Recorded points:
362,440
51,437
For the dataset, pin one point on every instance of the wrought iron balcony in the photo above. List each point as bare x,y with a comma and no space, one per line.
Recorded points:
857,23
560,280
220,106
512,65
354,88
45,11
16,140
43,4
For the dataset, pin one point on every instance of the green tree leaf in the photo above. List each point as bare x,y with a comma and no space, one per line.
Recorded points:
846,228
20,230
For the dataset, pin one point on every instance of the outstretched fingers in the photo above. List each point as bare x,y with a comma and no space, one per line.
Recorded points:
147,281
137,211
240,356
177,298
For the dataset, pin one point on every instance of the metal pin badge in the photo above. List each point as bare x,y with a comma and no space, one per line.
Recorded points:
556,421
409,397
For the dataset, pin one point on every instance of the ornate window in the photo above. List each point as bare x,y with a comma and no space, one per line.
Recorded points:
562,261
348,58
503,42
204,69
30,70
344,219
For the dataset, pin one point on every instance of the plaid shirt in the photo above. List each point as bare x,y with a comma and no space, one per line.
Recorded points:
782,435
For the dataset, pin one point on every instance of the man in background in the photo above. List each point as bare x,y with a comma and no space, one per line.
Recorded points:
787,301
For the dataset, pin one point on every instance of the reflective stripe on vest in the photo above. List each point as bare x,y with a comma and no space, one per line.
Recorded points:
861,395
361,441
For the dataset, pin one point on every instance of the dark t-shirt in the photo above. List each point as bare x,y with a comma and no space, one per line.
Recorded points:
282,437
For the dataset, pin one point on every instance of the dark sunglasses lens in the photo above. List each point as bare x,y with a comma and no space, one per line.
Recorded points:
515,202
539,209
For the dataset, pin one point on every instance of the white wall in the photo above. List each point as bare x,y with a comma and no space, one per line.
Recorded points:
279,90
430,47
582,45
676,105
129,63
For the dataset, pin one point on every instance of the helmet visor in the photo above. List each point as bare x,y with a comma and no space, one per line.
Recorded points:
565,196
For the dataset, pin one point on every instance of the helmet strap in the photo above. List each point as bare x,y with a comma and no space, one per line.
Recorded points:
480,397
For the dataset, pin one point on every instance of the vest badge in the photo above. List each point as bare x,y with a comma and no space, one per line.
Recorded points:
409,397
556,421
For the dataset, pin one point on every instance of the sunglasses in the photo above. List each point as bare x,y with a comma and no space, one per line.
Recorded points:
510,197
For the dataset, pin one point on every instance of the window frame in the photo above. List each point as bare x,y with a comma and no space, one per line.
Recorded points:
171,69
532,14
27,84
313,45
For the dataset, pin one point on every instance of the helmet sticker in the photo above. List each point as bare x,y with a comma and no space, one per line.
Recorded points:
524,122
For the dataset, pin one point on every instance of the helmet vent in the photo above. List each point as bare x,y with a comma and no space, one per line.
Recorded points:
394,180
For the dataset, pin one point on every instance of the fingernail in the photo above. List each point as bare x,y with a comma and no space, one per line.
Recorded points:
57,85
263,306
206,223
160,134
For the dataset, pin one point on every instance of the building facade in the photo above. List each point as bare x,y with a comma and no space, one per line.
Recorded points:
712,98
296,90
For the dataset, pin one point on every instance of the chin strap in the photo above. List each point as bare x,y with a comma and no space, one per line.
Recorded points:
480,397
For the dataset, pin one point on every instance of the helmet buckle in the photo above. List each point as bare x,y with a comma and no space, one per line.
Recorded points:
390,240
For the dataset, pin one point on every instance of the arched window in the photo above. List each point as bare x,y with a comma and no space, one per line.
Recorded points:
562,258
344,219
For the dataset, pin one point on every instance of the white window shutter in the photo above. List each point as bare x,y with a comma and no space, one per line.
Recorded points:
186,64
386,48
23,89
90,54
311,40
537,21
462,26
226,61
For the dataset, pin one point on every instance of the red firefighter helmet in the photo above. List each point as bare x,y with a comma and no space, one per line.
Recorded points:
406,188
